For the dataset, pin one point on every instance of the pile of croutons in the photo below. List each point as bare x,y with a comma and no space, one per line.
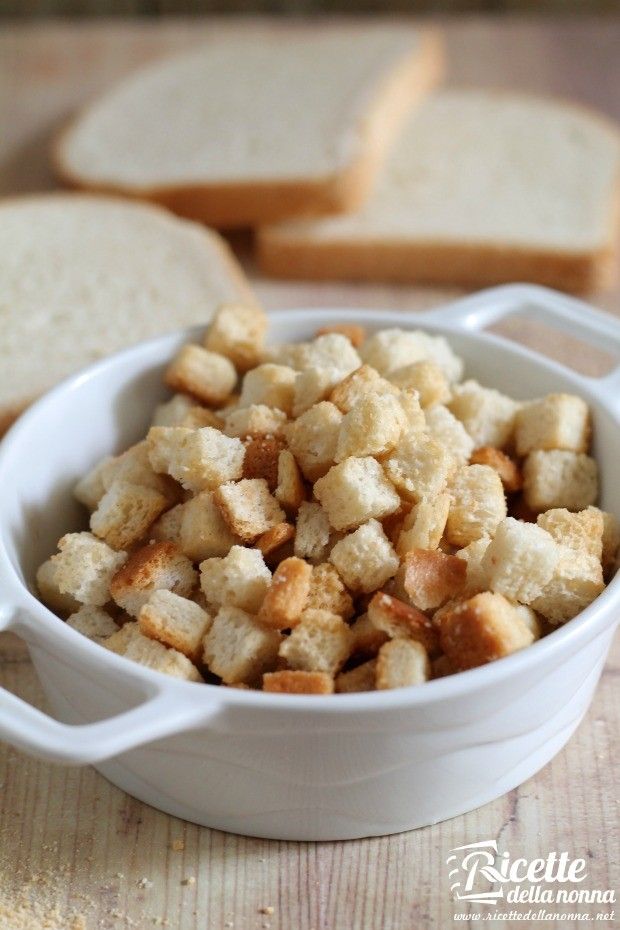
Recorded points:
343,514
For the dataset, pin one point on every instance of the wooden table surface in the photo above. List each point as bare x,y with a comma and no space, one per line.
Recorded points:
77,853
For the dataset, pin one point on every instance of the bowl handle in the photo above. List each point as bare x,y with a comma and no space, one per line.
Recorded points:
163,712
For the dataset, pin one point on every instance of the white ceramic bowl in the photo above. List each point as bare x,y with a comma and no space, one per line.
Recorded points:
284,766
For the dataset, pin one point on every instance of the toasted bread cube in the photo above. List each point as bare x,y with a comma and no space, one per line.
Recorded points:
134,467
359,384
558,421
426,378
199,459
84,568
92,622
582,531
328,592
287,596
238,332
248,507
321,642
354,333
168,526
372,427
530,618
432,577
576,581
476,579
275,538
182,410
391,349
312,532
206,375
132,644
520,560
238,648
269,385
261,460
50,593
506,468
312,386
419,467
398,619
125,513
559,479
90,489
313,439
478,504
240,579
444,427
611,541
424,525
365,559
290,490
204,533
298,682
400,664
175,622
355,491
361,678
328,351
367,638
487,415
158,565
482,629
255,420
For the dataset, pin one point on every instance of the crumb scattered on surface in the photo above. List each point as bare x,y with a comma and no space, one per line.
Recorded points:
177,845
190,880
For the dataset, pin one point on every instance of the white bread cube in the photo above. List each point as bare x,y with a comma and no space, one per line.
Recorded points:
204,534
361,678
290,491
476,579
134,467
238,648
168,526
321,642
331,350
90,489
487,415
426,378
520,560
312,386
312,532
84,568
132,644
576,581
151,568
125,513
92,622
558,421
477,506
443,426
365,559
328,592
313,439
255,420
206,375
198,459
353,332
173,412
559,479
611,541
240,579
248,507
175,622
49,592
482,629
391,349
372,427
360,383
269,385
238,332
355,491
419,467
582,531
400,664
425,523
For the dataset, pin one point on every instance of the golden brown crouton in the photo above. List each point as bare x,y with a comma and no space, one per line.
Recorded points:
360,678
355,334
290,489
506,468
158,565
321,642
398,619
424,525
204,534
238,332
248,507
261,460
275,538
400,664
482,629
367,638
298,682
206,375
432,577
287,596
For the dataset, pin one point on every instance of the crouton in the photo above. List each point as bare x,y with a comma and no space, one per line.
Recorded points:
200,459
92,622
261,460
476,579
158,565
275,538
312,532
558,421
204,534
332,350
611,542
175,622
361,383
206,375
354,333
576,581
487,415
132,644
361,678
482,629
240,579
441,667
321,642
255,420
424,525
238,648
391,349
182,410
419,467
372,427
313,439
426,378
328,592
168,526
290,490
238,332
133,466
248,507
312,386
398,619
400,664
49,592
269,385
582,531
530,618
477,506
90,489
443,426
432,577
367,638
507,469
415,419
355,491
125,513
559,479
365,559
84,568
287,596
298,682
520,560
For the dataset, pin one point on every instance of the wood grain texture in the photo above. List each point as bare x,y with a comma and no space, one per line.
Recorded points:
73,842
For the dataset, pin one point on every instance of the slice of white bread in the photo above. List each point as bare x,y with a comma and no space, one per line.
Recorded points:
82,276
480,188
255,125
